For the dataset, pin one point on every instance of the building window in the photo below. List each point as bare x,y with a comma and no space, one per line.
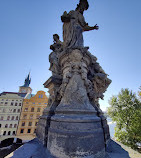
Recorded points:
6,99
30,124
20,104
8,117
38,110
10,126
15,125
26,109
12,118
10,110
18,110
0,126
17,117
36,123
16,104
6,103
32,109
23,123
3,110
24,116
6,126
1,102
11,103
9,133
35,131
31,116
41,96
37,116
14,110
13,132
4,133
29,130
1,118
22,131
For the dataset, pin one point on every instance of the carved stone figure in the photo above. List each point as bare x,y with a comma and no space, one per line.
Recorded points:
73,125
74,25
73,121
99,78
57,47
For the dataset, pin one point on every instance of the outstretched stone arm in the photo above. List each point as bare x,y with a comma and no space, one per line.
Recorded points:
88,28
85,25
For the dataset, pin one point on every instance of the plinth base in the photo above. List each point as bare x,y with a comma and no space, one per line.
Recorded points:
35,149
76,135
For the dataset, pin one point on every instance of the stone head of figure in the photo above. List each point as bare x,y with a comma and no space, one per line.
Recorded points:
56,37
83,5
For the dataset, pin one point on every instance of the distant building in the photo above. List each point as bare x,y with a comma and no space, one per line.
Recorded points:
25,88
10,109
32,109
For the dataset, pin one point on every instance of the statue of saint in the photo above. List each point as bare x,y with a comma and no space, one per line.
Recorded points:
57,47
74,25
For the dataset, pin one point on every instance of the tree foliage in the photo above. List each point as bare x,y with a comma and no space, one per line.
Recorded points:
139,92
125,110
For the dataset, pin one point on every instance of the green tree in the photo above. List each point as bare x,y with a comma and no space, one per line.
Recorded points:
125,110
139,92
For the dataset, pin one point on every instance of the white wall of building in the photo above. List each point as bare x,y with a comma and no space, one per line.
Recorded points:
10,109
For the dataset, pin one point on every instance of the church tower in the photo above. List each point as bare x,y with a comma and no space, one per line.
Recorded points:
25,88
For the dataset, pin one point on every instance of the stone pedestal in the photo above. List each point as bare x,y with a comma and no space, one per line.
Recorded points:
105,126
76,135
75,129
52,84
72,125
35,149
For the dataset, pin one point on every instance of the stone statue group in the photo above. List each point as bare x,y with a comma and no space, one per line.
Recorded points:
74,25
72,124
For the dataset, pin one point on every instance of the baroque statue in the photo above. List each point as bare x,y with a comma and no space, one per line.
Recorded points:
73,125
74,25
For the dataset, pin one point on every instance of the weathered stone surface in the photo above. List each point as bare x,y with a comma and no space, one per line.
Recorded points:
74,25
75,120
73,125
76,136
57,47
35,149
114,150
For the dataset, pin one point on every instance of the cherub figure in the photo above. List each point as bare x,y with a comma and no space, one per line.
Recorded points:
57,47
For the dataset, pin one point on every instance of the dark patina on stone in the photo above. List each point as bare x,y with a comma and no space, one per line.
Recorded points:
73,125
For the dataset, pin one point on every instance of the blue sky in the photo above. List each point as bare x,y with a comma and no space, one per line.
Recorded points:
27,26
